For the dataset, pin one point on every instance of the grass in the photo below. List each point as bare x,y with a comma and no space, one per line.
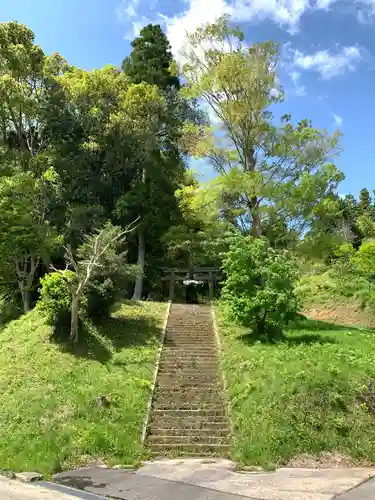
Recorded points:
313,391
51,415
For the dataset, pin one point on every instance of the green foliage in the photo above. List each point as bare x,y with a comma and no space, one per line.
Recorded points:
26,236
263,167
101,296
259,287
55,299
151,59
364,260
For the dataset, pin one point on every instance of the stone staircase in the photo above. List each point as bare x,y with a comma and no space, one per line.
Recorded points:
188,412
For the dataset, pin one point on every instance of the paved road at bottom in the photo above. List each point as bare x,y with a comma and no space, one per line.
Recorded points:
15,490
126,485
365,491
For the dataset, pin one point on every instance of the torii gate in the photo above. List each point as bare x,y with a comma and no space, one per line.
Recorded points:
208,274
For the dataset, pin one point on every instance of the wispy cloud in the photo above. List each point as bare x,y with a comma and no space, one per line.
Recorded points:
326,63
129,14
136,13
299,89
337,119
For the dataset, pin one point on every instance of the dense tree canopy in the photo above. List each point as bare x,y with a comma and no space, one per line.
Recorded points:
85,150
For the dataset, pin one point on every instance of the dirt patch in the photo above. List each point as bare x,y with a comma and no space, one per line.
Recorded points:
343,314
327,461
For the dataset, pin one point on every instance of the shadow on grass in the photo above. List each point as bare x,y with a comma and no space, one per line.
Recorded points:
304,323
277,336
290,340
99,342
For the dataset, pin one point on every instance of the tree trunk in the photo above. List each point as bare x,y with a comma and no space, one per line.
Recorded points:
74,319
138,287
256,227
25,299
253,203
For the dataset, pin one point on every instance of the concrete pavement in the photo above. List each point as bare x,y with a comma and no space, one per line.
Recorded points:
129,485
202,479
15,490
365,491
197,479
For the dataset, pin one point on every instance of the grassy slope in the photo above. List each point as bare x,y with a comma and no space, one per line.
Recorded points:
302,395
49,416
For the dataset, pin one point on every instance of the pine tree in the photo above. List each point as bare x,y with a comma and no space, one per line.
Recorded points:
150,62
150,59
364,206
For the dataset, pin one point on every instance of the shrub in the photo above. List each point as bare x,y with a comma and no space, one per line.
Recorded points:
100,297
363,263
259,286
55,299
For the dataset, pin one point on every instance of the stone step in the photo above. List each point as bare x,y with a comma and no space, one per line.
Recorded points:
184,360
212,423
186,398
188,381
185,344
183,353
193,330
177,349
178,386
192,440
181,405
191,339
189,431
188,368
187,392
198,361
197,326
172,413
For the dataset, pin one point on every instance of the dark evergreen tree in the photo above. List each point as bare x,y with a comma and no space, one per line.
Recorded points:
364,205
150,59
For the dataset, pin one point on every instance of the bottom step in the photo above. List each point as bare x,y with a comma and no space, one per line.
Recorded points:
222,450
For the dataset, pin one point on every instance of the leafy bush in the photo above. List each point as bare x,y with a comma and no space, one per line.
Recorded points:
100,297
363,260
363,263
55,299
259,286
107,288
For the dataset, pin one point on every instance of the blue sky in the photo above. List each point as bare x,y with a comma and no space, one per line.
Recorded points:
328,52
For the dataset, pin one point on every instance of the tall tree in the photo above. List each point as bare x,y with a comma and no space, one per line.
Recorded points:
262,166
151,61
364,206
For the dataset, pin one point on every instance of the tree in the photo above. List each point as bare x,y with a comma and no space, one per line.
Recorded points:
98,251
142,113
262,166
26,237
151,59
197,237
258,289
29,91
364,206
162,166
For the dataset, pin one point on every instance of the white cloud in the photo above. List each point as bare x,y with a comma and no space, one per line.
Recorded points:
326,63
299,89
337,119
286,13
128,13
